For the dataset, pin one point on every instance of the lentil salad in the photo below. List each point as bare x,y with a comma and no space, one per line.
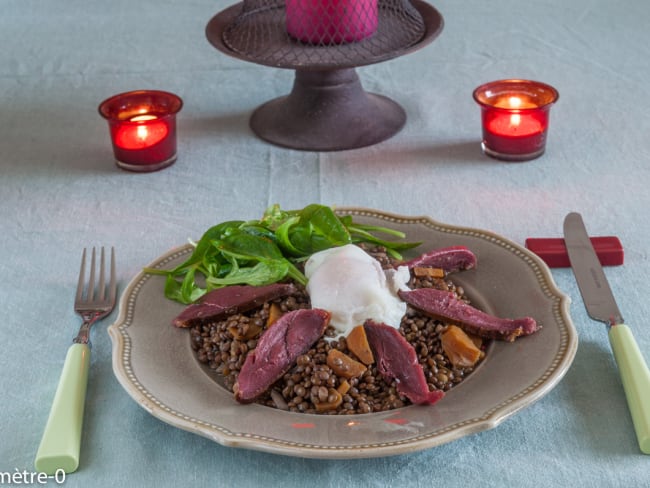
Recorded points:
222,346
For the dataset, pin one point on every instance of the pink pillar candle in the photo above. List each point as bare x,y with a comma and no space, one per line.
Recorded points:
142,125
515,116
331,21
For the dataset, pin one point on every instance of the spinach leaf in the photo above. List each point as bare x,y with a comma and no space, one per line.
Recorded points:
262,273
318,229
265,251
185,291
203,247
242,245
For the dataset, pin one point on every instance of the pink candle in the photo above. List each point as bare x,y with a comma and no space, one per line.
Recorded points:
514,116
142,125
331,21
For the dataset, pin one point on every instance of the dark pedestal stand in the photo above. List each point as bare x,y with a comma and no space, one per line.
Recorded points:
327,109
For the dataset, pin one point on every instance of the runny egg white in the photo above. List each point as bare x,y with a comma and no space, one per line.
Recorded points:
352,286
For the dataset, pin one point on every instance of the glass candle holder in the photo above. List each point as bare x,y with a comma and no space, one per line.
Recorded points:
331,21
142,125
515,116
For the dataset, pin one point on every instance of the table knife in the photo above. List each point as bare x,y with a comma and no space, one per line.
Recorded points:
601,305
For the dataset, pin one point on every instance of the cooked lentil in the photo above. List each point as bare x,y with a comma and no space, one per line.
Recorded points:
223,345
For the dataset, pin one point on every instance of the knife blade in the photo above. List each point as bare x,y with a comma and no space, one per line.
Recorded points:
601,305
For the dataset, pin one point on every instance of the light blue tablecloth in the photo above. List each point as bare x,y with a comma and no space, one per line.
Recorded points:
60,192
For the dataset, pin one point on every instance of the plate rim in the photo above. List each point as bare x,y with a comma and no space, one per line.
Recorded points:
121,345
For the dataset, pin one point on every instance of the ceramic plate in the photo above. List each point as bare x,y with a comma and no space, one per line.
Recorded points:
155,364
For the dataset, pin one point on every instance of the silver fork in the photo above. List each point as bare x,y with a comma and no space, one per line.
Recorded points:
93,307
60,445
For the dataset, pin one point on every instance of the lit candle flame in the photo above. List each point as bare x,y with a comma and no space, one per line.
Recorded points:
142,132
515,120
142,118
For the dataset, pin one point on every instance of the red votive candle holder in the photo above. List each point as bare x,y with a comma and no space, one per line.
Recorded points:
331,21
142,125
515,115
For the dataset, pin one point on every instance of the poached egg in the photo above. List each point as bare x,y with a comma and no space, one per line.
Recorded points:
352,286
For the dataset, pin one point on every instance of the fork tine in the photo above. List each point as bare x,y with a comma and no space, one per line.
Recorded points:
82,273
91,281
102,279
113,283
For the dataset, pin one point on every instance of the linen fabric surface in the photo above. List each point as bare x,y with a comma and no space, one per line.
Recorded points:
60,192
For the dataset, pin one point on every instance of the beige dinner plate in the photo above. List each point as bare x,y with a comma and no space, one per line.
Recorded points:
155,364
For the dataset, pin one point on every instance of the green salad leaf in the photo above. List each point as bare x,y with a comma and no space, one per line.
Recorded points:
265,251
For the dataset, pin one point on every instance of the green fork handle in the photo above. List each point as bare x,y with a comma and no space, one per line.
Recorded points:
60,445
636,380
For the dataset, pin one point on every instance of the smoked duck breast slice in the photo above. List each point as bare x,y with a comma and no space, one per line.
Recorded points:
449,259
397,360
219,303
446,306
277,350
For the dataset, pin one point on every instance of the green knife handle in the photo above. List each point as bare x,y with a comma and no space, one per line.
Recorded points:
59,448
636,380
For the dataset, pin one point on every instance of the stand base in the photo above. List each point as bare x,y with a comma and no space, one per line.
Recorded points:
327,111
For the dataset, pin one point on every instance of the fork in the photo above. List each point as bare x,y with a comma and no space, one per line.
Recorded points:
60,445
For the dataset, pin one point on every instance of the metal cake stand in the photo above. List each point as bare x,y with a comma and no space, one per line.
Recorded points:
327,108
